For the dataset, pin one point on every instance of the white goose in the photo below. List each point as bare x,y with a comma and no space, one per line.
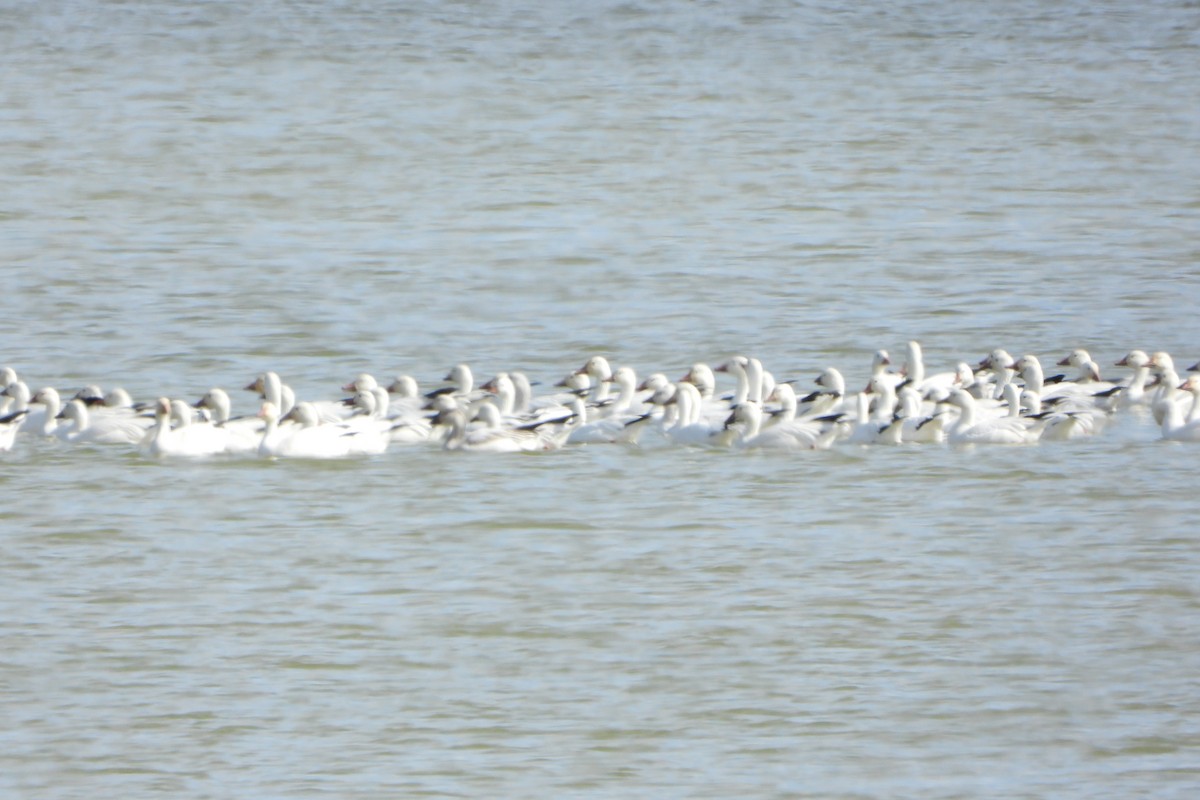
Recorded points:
1001,365
492,439
913,371
879,368
9,425
308,439
688,426
51,403
1066,396
972,428
404,386
863,429
830,398
1054,425
164,441
1174,425
600,372
1134,393
701,376
1088,370
196,431
19,398
363,434
406,409
461,386
273,390
501,385
8,375
243,433
1167,394
596,430
748,372
911,423
794,435
84,427
626,403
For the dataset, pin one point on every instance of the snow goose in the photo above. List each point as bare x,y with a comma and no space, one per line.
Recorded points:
405,414
461,385
1054,424
359,435
966,379
19,398
85,427
879,368
829,398
116,402
501,385
1174,425
971,427
657,407
51,403
404,386
911,423
1087,381
601,430
863,428
1134,392
1001,366
882,389
196,437
600,372
524,397
713,409
747,385
273,390
573,384
9,425
766,383
701,376
626,402
164,441
8,375
610,421
363,382
785,396
914,375
1066,396
1162,366
1089,370
309,438
794,435
91,395
688,426
243,433
489,438
406,403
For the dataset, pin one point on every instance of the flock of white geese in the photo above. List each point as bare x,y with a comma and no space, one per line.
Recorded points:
1001,400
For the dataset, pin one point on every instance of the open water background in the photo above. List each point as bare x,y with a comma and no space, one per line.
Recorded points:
193,193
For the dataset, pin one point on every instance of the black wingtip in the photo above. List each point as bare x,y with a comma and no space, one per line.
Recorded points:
13,417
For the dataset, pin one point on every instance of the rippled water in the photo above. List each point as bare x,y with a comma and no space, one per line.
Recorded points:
195,193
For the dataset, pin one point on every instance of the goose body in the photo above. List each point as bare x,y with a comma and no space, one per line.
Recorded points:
82,426
973,428
1175,426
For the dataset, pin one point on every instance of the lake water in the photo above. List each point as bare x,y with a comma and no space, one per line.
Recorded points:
194,193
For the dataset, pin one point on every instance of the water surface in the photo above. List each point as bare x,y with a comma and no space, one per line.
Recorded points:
198,193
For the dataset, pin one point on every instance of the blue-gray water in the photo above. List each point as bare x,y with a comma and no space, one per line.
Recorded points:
195,193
